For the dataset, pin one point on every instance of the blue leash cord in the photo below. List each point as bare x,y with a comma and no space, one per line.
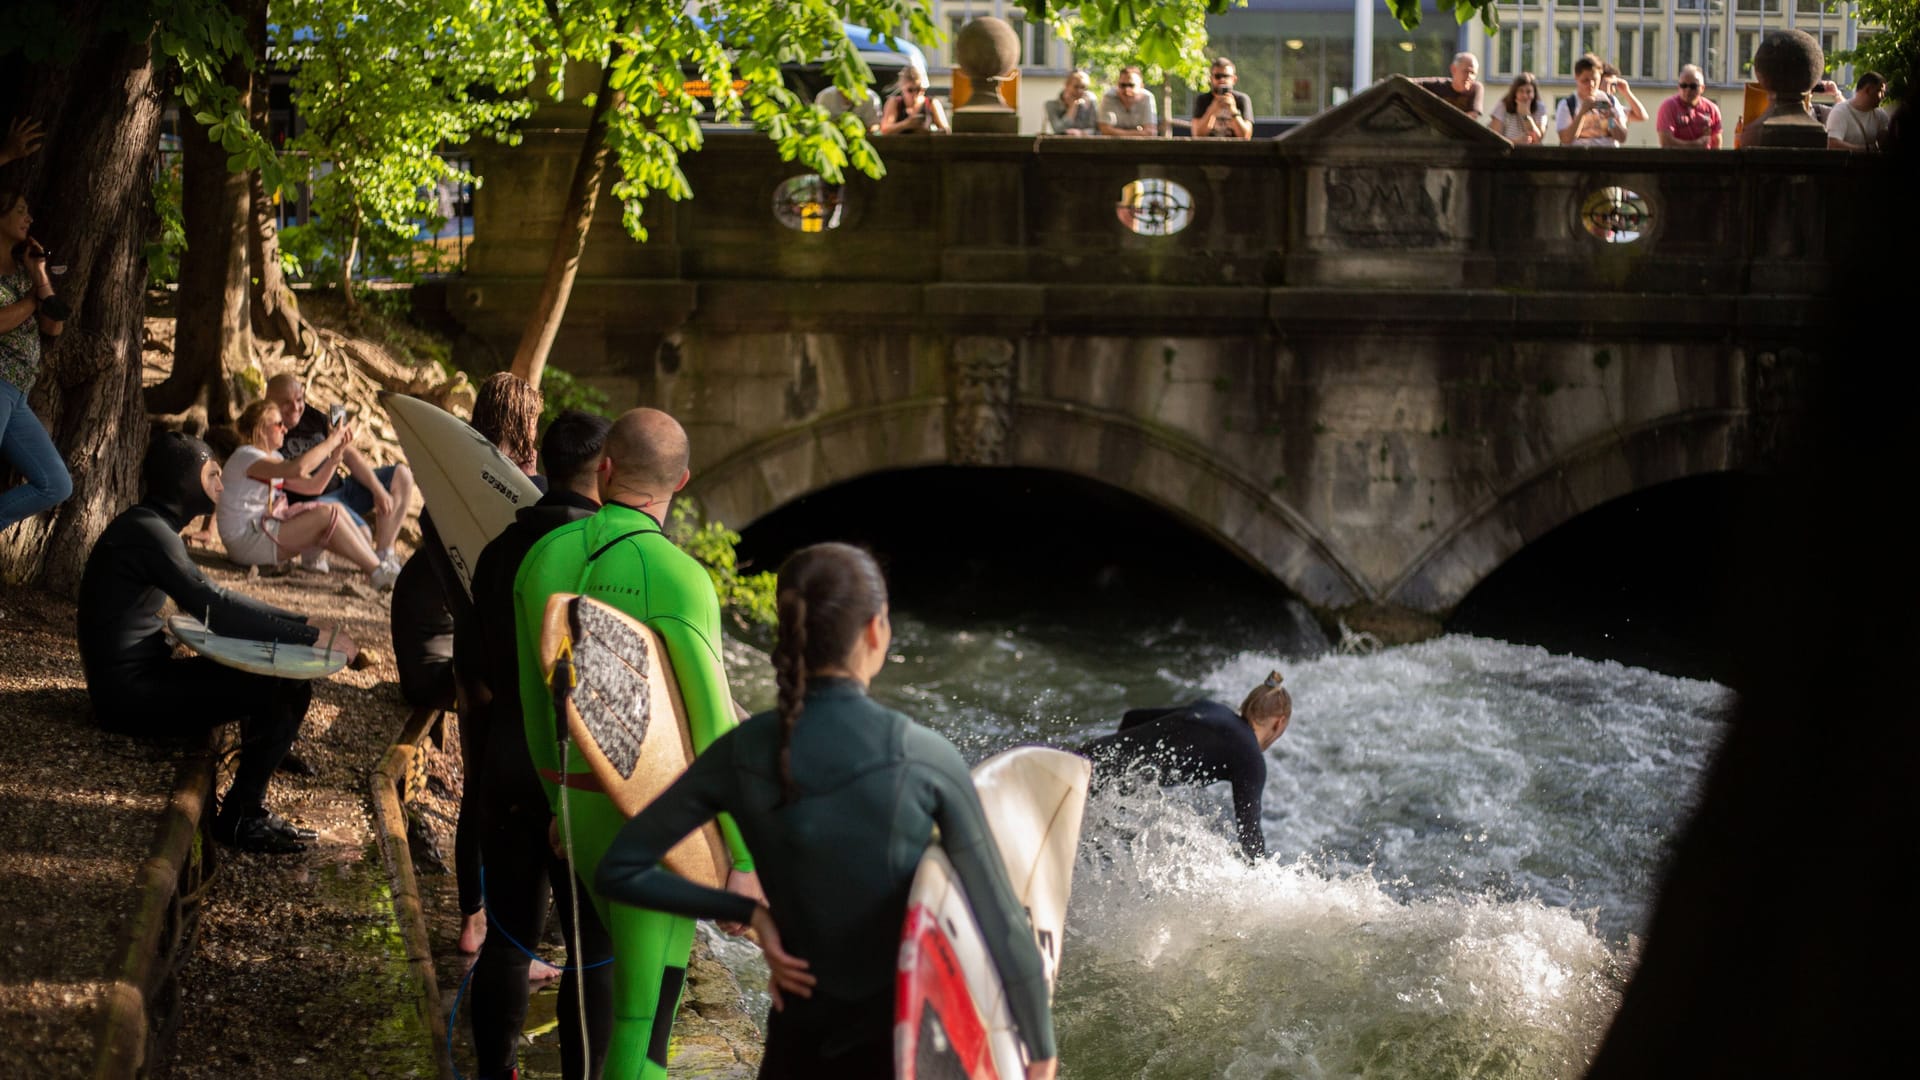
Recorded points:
454,1016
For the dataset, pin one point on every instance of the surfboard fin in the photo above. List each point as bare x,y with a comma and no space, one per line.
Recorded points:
562,680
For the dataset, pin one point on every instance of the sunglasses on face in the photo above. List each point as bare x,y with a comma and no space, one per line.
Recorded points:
1689,86
1126,85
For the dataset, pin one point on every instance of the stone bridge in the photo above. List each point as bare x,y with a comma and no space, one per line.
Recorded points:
1382,355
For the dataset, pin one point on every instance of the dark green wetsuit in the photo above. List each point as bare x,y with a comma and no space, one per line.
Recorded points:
619,557
837,862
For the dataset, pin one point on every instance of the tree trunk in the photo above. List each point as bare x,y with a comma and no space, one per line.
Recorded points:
543,322
213,340
91,192
275,311
346,267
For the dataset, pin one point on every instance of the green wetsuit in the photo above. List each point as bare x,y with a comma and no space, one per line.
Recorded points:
838,861
619,557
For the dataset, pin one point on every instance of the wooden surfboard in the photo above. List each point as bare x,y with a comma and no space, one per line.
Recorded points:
471,488
260,657
626,717
951,1017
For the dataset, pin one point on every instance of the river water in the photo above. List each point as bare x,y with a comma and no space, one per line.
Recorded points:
1465,836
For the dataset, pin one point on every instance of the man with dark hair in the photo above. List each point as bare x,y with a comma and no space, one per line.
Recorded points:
1128,110
1860,123
523,871
1591,117
1225,113
1461,88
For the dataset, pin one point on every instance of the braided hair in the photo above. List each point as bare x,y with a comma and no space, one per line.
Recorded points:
826,594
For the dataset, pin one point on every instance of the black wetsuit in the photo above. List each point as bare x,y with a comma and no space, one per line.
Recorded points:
422,636
520,866
136,686
1199,743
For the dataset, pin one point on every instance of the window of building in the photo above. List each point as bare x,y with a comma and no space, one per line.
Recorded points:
1572,42
1687,46
1635,55
1520,39
1591,5
1713,6
1771,7
1745,42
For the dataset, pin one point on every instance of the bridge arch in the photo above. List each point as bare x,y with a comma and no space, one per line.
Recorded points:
1624,461
1181,479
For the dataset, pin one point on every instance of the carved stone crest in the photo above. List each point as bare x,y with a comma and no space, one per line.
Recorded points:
980,417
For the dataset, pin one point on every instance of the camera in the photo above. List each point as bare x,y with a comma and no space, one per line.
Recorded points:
336,415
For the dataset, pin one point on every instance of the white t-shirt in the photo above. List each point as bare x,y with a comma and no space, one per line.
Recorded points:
1593,126
1849,124
244,502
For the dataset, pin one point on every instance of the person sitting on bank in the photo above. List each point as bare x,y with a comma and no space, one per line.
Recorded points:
1128,109
260,527
137,687
1074,112
1225,113
1201,743
365,491
839,797
1461,88
911,110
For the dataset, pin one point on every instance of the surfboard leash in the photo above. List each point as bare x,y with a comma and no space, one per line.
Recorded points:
562,681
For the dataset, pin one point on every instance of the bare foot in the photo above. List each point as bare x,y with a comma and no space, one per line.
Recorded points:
473,931
539,971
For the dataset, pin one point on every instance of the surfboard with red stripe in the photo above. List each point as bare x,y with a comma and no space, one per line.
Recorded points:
951,1018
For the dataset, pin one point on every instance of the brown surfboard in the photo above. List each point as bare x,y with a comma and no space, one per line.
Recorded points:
626,717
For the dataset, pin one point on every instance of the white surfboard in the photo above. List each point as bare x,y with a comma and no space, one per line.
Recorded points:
471,488
283,660
951,1017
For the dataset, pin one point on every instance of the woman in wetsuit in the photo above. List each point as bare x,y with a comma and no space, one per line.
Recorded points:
1200,743
837,797
139,689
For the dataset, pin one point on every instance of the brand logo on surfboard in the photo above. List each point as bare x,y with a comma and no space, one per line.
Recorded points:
511,495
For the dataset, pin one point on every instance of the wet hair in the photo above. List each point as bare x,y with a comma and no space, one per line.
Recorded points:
1587,63
1268,699
572,443
251,416
1511,101
826,594
1867,79
170,475
507,411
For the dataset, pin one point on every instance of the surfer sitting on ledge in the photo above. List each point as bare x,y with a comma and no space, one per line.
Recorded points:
1199,744
139,689
838,798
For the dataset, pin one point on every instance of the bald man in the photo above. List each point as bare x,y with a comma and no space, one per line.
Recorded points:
620,557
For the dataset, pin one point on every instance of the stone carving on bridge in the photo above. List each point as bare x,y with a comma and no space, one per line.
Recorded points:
980,417
1388,206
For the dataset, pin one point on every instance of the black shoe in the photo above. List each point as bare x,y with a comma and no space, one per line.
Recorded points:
258,833
295,765
288,829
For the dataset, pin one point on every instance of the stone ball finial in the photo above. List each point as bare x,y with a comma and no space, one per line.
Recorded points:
988,49
1788,62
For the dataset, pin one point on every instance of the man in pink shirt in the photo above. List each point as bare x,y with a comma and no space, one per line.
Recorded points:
1687,120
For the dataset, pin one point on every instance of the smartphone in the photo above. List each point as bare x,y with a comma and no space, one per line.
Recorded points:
337,415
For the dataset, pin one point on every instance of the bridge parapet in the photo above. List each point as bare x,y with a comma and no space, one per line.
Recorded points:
1380,355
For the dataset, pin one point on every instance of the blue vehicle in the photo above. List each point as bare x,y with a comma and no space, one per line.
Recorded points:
809,79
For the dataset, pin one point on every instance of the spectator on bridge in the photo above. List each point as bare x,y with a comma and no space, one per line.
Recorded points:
1861,123
1591,116
1688,121
911,110
1226,113
1521,116
834,100
1128,109
1462,89
1075,111
1616,84
1822,98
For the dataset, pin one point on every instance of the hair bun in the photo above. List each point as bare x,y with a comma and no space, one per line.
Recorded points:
1273,680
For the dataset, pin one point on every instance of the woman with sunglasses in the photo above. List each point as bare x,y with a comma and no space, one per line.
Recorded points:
911,110
260,528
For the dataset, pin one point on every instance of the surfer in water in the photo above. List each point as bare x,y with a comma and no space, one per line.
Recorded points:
139,689
838,797
1201,743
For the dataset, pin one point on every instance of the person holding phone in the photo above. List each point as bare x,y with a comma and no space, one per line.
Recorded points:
911,110
1225,113
365,491
1591,117
28,309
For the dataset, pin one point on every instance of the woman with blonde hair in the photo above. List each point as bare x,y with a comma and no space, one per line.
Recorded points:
257,524
911,110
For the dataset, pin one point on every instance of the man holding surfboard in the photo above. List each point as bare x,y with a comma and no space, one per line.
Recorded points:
620,557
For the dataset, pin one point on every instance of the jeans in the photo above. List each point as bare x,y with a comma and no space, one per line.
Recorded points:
355,497
25,445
